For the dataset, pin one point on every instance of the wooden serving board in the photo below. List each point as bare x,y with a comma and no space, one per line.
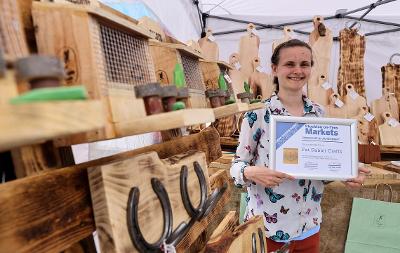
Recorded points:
387,103
261,83
110,186
334,111
387,165
248,50
353,104
389,135
319,94
240,239
286,36
236,75
208,47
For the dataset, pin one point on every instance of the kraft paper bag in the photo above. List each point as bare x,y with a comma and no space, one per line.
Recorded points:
374,226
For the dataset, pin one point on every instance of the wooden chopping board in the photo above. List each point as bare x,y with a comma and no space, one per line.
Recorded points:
353,101
333,109
287,35
387,103
387,165
319,94
321,41
209,47
367,129
389,135
248,50
236,75
261,83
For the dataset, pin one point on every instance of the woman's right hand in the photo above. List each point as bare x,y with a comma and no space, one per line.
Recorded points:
265,176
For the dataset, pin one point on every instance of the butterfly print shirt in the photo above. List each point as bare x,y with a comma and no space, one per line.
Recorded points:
291,208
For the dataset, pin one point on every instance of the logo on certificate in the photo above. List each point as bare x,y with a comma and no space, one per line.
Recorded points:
290,156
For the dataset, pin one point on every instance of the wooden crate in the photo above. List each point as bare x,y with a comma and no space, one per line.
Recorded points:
12,37
105,52
166,56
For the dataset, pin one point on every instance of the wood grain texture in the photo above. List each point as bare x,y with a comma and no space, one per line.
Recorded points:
261,83
353,104
210,71
209,48
31,123
228,224
236,75
389,135
334,111
387,165
386,103
238,107
55,207
8,87
240,240
110,186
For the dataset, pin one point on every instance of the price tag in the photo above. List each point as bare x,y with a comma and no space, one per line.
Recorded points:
368,116
211,38
339,103
237,65
326,86
354,95
260,69
394,123
254,31
227,78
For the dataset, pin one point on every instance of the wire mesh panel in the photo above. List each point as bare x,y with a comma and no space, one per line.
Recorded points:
193,77
126,57
12,39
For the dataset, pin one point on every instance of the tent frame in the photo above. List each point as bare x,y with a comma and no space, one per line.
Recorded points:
339,15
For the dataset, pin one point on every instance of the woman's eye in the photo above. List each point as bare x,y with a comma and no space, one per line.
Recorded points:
306,64
290,64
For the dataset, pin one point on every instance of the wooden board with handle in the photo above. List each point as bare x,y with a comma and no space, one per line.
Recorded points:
353,101
287,35
317,93
389,135
387,165
260,82
387,103
336,108
367,127
236,75
248,50
209,47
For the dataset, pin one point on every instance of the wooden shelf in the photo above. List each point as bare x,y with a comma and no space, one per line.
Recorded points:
32,123
165,121
177,46
238,107
390,149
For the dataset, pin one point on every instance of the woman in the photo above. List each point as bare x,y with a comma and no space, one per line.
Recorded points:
290,208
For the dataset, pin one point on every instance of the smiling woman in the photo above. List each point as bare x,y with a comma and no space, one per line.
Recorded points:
294,204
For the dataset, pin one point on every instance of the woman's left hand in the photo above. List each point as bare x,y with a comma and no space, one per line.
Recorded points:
358,181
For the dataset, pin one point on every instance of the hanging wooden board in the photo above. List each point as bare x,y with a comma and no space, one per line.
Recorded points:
209,47
367,127
248,237
236,75
261,83
248,50
320,91
387,165
336,108
387,103
287,35
353,101
389,135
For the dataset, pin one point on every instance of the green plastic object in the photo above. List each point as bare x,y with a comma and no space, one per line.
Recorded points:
229,101
51,94
246,87
178,106
221,82
255,101
179,76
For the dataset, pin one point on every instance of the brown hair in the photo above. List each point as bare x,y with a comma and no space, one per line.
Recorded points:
287,44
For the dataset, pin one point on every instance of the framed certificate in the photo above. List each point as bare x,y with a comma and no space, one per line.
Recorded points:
314,148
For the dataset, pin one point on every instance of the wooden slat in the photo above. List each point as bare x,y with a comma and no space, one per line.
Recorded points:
380,173
178,46
390,149
387,166
227,224
50,211
238,107
165,121
36,122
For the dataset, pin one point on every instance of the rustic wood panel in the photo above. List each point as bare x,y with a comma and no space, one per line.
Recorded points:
54,208
228,224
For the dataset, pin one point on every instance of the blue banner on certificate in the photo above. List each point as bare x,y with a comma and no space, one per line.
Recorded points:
314,148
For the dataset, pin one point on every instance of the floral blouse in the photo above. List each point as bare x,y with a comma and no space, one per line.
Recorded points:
293,207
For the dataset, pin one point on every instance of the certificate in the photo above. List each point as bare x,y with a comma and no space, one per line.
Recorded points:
314,148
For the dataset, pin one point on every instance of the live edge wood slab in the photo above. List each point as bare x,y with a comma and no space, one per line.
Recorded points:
50,211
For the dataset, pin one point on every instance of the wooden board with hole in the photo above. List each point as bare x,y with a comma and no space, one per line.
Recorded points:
240,239
248,49
60,200
387,165
238,107
388,134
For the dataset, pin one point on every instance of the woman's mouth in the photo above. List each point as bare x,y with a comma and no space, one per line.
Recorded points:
295,78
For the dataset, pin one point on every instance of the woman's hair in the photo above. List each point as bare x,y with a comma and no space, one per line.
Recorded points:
287,44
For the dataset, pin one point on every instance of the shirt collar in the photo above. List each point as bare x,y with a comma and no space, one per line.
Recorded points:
277,106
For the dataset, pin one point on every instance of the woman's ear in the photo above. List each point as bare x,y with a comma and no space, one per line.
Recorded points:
273,69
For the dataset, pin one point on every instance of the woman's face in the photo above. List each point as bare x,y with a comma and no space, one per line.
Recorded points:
293,69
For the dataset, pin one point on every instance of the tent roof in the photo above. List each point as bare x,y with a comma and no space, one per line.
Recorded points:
294,8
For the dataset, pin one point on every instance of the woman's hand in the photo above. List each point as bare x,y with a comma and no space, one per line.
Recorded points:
358,181
265,176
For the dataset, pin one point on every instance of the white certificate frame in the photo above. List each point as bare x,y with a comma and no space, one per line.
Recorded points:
352,171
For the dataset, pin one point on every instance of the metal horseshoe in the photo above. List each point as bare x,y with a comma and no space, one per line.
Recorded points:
133,222
253,243
261,237
192,211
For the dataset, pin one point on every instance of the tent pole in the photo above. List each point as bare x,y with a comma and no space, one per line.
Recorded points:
374,21
365,7
372,6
